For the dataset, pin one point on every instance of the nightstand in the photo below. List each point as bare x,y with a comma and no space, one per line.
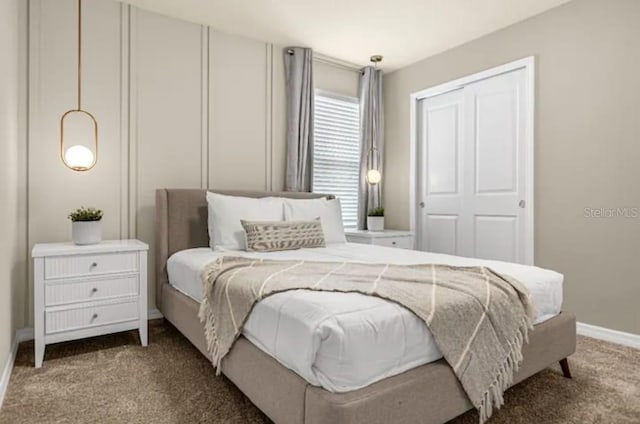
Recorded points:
388,238
86,291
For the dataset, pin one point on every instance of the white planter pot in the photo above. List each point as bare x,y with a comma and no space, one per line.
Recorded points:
86,232
375,223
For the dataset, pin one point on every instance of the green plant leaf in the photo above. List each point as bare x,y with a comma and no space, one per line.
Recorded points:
85,214
379,211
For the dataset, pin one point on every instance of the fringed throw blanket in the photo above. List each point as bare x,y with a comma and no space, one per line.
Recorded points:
479,319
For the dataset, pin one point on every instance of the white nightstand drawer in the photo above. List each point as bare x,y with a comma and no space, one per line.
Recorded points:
58,320
80,265
387,238
89,290
400,242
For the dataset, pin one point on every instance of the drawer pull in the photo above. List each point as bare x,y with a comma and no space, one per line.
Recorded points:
95,316
93,265
393,242
94,290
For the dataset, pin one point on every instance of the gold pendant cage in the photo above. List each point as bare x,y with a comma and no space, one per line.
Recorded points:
95,139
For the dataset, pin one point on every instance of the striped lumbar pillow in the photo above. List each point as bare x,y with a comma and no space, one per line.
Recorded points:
270,236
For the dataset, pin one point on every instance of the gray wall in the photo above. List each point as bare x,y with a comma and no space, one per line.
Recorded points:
587,145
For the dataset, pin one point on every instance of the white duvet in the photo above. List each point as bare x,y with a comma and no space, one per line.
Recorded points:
345,341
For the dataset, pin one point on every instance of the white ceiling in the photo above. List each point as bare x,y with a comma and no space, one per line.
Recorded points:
404,31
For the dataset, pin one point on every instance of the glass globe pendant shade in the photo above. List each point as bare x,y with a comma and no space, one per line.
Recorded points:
79,158
373,176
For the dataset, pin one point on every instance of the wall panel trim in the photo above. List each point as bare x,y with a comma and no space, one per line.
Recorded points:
204,105
268,136
133,127
124,120
210,139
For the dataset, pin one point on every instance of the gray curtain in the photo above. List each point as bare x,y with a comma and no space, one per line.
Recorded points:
372,135
298,66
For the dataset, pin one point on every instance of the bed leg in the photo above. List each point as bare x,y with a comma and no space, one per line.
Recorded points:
564,364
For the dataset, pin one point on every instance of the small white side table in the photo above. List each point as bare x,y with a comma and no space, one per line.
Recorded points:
86,291
388,238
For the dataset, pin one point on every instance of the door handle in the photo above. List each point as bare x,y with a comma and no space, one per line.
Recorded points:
522,204
421,204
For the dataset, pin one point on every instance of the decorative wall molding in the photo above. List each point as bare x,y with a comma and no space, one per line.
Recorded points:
125,199
132,130
608,335
204,106
210,110
268,133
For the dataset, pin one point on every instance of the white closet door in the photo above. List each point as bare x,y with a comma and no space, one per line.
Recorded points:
474,169
497,160
441,174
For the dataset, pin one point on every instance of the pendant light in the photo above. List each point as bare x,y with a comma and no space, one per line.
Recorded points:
374,176
79,157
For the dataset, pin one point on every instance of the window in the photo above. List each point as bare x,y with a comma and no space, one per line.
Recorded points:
336,151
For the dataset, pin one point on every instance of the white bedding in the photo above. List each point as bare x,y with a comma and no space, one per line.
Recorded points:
345,341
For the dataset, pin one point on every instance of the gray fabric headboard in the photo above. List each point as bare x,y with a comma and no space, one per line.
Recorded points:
181,223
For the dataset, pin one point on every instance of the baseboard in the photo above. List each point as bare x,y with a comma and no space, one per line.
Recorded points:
21,335
608,335
24,334
154,314
8,367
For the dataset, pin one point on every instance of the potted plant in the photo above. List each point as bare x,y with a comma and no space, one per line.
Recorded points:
375,219
85,226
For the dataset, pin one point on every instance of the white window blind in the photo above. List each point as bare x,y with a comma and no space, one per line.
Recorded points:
336,151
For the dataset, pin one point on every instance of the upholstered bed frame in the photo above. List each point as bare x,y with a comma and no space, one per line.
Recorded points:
428,394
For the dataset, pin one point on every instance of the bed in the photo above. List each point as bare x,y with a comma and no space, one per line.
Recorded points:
414,386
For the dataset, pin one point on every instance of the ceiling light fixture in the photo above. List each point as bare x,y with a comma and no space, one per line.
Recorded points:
375,59
79,157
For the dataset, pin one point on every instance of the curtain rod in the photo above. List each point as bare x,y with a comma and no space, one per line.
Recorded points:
338,63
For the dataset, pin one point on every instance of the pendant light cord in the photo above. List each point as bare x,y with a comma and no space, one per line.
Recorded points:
79,53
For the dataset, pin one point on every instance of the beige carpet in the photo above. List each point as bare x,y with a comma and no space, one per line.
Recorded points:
112,379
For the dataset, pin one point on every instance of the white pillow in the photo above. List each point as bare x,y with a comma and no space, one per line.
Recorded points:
329,212
225,213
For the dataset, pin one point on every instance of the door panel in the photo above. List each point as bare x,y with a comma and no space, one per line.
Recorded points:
496,151
443,233
472,178
495,181
496,238
442,156
440,179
